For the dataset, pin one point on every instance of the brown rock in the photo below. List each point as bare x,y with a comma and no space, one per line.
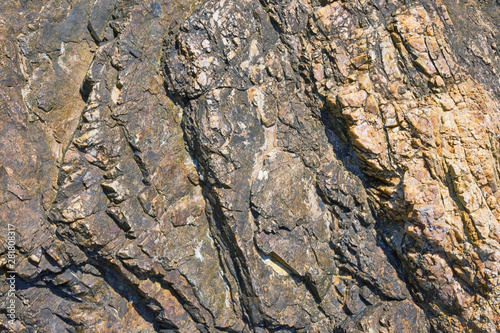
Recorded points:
246,166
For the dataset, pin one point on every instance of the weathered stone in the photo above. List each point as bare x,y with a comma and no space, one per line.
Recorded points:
250,166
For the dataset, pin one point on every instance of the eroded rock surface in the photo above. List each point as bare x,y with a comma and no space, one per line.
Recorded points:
251,166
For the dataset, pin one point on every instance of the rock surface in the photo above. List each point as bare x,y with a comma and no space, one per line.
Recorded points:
250,166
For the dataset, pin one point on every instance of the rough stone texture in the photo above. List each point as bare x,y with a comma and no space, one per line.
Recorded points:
251,166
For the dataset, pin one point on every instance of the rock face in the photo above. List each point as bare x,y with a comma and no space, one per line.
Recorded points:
250,166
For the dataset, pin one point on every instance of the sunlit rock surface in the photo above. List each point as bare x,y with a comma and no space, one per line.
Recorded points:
250,166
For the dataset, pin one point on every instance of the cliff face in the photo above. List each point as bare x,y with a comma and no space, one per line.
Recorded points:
246,166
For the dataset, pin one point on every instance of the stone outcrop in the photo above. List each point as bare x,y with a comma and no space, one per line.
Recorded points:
250,166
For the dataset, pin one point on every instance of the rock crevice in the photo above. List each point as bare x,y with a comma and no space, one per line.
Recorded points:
250,166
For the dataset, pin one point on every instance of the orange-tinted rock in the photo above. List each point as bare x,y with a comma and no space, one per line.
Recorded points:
246,166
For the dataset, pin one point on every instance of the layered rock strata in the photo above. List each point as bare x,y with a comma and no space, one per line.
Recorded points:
251,166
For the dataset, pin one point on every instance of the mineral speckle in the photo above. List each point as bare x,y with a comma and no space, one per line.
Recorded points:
250,166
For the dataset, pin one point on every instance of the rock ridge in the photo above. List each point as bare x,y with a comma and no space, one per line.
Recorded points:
250,166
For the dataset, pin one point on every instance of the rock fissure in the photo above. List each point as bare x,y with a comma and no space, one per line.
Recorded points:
238,166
